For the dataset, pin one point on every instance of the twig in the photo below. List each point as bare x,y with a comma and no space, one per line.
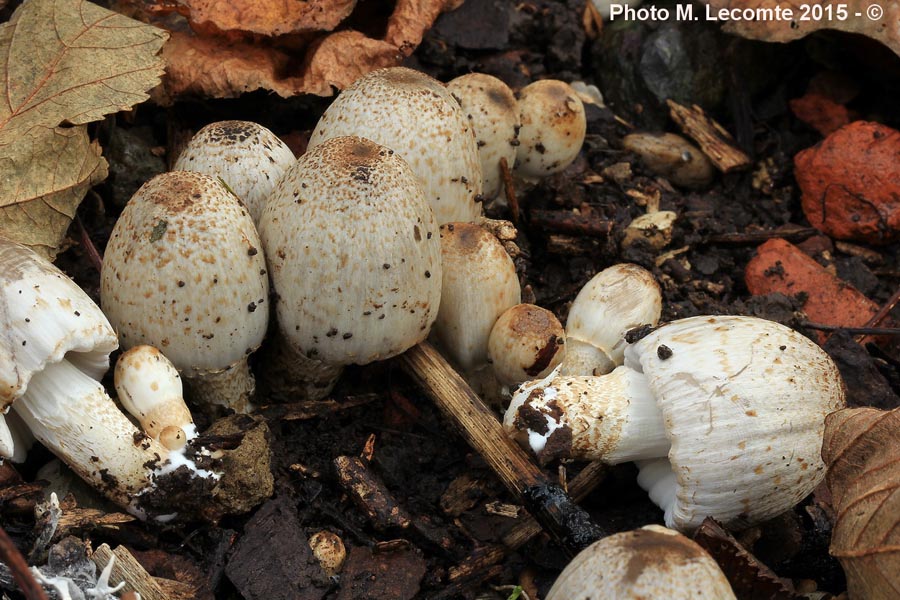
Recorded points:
13,559
862,331
564,520
558,221
792,234
93,254
509,189
713,139
884,310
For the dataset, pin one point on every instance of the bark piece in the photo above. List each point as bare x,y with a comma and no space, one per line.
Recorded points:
714,140
272,560
391,575
128,569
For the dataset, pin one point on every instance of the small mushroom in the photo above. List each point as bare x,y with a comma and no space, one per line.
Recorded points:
149,388
354,256
414,115
553,128
55,347
650,562
493,114
184,272
615,300
673,157
653,229
526,342
329,550
479,284
724,417
249,158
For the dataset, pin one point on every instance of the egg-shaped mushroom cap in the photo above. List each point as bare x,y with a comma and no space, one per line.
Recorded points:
651,562
248,157
184,272
553,127
45,317
354,253
491,109
525,343
744,401
414,115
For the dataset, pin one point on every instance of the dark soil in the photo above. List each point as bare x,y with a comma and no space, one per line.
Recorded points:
417,454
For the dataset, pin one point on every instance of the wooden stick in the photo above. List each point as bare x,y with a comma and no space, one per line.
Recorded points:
12,558
129,570
714,140
564,520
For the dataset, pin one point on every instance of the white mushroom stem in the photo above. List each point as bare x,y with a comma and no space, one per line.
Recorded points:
231,387
70,413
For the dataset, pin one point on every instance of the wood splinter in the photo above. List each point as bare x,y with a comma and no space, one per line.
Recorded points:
569,525
714,140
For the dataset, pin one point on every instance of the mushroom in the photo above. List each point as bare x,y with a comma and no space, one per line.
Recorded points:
553,128
149,388
724,417
184,272
54,347
615,300
416,116
526,342
673,157
493,114
249,158
329,550
479,284
353,254
650,562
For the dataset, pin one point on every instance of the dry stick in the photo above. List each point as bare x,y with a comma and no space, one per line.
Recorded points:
509,189
93,254
12,558
713,139
884,310
856,331
559,221
564,520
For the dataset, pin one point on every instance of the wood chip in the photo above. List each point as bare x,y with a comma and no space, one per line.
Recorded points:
128,569
714,140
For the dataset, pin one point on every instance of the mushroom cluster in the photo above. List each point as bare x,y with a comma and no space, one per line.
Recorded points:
724,417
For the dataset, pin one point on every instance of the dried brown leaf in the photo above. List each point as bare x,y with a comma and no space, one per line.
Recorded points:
268,17
63,62
862,451
876,19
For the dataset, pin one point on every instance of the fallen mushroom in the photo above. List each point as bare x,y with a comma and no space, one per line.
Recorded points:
149,388
615,300
416,116
354,258
249,158
491,109
479,284
724,417
184,272
56,347
651,562
553,128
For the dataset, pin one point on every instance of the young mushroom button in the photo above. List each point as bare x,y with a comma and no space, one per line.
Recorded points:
354,256
724,417
414,115
184,272
249,158
553,128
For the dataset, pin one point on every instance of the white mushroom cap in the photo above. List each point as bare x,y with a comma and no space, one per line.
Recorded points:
742,402
491,109
414,115
479,284
353,252
614,301
149,388
651,562
247,156
526,342
184,272
553,127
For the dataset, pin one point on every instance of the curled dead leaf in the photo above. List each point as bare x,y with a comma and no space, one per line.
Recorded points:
862,451
309,48
876,19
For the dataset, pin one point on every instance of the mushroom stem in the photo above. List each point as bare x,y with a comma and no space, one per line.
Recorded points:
658,479
229,388
71,414
289,373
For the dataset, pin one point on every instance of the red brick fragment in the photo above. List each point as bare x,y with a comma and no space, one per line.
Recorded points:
779,266
851,183
820,112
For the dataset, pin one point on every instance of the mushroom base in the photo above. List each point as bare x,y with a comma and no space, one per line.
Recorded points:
229,388
289,374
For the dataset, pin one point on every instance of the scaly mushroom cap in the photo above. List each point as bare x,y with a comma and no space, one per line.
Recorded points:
45,316
354,253
479,283
525,343
247,156
553,127
184,272
615,300
744,401
414,115
491,109
651,562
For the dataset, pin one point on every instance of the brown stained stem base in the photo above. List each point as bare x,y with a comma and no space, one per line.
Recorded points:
12,558
555,510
